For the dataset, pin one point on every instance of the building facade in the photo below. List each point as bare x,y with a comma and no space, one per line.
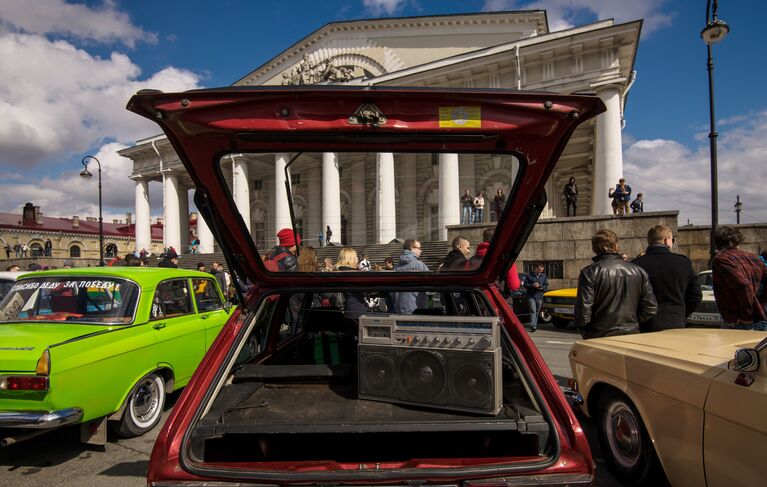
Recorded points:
486,50
67,237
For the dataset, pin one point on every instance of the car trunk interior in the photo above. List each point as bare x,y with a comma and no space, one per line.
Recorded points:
293,395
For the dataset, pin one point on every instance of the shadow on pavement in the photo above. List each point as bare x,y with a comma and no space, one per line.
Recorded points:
127,469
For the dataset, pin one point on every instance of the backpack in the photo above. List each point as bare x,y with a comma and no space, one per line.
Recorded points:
272,264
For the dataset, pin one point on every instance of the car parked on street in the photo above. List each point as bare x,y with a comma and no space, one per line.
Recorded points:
687,404
305,386
101,345
707,312
559,306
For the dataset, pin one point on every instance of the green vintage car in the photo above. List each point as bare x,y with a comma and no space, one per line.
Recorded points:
101,346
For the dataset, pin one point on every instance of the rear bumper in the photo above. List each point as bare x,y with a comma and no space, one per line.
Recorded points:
40,419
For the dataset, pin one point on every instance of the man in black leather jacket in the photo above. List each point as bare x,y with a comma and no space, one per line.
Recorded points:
614,296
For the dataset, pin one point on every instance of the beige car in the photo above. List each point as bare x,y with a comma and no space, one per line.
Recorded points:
690,403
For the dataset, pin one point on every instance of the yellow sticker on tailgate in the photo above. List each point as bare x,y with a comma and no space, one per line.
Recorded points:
460,117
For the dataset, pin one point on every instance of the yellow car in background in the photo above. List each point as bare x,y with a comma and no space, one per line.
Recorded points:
559,306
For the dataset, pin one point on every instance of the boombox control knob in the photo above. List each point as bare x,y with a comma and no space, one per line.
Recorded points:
484,342
458,340
446,340
471,341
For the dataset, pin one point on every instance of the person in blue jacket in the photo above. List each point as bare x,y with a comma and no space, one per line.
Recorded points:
535,284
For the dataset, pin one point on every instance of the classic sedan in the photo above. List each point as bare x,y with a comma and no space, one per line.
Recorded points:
707,313
685,403
559,306
90,345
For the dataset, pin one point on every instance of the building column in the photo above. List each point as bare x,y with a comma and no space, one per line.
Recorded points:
204,235
331,195
172,212
313,222
143,216
449,192
359,209
408,193
608,157
281,207
385,198
240,188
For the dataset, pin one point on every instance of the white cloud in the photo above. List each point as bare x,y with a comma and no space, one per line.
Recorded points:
564,14
68,194
77,21
384,7
69,100
672,176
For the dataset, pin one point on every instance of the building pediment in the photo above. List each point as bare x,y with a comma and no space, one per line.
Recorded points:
341,51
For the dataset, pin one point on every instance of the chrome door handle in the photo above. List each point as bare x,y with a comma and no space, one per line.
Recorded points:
158,326
204,317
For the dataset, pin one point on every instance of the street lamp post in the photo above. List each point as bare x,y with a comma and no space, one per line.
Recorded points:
86,174
715,31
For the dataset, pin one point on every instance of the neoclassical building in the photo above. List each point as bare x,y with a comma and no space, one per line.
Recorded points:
485,50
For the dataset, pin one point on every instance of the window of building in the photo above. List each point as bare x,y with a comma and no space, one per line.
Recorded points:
554,269
578,64
548,71
258,184
259,234
74,251
37,250
295,179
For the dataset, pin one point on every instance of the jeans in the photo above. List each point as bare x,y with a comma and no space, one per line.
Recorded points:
467,215
535,309
478,215
569,204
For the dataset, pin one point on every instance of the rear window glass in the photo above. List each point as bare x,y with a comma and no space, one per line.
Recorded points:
80,299
370,212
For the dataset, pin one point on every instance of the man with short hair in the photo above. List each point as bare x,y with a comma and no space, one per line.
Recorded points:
407,302
536,284
622,196
458,257
740,280
637,206
614,295
201,266
674,281
218,272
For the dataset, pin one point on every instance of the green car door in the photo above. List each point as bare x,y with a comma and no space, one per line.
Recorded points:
180,333
210,307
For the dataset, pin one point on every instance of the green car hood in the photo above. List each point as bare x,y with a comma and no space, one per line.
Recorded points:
22,344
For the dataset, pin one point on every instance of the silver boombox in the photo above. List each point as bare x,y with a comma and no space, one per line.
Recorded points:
446,362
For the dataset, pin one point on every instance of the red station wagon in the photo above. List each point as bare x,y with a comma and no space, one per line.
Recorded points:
309,383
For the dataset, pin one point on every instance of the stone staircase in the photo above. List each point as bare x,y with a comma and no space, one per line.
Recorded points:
432,254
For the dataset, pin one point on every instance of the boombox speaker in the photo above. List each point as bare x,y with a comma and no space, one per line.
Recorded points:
446,379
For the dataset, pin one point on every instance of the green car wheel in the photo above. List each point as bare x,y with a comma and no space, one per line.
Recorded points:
144,407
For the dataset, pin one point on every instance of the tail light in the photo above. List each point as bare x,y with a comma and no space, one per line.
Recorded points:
37,382
24,383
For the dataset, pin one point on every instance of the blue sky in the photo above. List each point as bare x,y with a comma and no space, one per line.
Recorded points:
90,57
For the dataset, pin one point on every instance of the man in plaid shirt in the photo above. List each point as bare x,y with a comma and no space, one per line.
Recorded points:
739,282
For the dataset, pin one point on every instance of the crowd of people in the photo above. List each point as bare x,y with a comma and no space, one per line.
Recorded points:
659,289
473,206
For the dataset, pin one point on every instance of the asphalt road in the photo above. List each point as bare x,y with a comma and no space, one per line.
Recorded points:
58,458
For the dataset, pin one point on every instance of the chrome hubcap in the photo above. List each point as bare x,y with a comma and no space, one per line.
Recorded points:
623,435
146,401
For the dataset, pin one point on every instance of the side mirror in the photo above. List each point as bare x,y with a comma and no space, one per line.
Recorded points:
227,307
746,360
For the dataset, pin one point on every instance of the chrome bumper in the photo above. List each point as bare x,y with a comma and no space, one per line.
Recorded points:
40,419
